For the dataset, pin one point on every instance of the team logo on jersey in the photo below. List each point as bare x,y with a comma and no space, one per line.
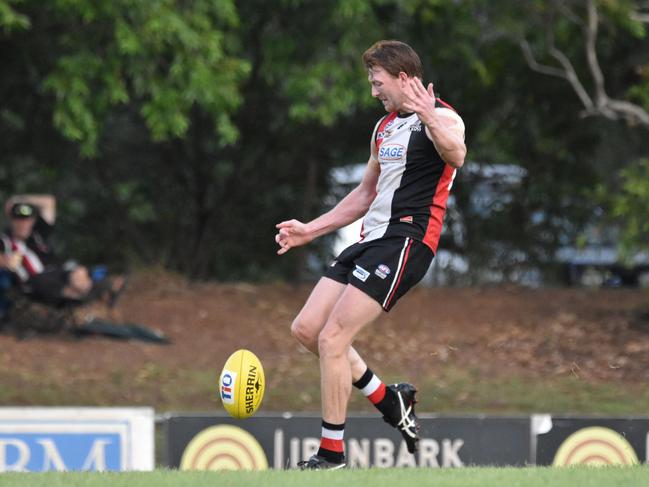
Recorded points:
360,274
388,130
382,271
416,127
392,152
385,132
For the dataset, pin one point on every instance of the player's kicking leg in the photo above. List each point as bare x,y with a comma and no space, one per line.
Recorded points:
314,314
353,311
395,402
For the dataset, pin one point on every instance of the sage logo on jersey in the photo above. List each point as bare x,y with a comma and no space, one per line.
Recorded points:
361,274
227,386
391,152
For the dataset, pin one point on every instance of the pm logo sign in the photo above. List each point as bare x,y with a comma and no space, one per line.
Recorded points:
99,439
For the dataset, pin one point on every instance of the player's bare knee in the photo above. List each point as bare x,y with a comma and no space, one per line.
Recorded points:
331,343
304,333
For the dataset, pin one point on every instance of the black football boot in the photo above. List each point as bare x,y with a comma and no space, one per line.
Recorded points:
403,415
320,463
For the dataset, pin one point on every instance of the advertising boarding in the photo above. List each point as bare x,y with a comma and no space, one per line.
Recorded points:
64,439
215,442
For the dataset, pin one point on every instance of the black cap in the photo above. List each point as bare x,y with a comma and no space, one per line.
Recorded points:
22,210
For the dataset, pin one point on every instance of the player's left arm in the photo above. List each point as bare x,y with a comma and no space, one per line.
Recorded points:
444,127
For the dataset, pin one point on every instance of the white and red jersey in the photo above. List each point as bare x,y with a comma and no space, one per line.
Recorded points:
414,183
35,253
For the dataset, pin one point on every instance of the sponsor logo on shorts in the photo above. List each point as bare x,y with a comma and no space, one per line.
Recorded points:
382,271
361,274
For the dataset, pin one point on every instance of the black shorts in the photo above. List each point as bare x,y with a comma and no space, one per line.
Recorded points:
384,269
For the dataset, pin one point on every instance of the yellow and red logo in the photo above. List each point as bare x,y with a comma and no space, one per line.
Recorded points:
224,447
595,446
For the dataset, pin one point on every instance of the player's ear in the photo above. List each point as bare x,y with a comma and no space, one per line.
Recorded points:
403,78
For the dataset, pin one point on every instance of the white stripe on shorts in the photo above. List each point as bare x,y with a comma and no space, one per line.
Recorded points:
396,273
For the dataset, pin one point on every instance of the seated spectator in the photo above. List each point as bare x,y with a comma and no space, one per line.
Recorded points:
39,272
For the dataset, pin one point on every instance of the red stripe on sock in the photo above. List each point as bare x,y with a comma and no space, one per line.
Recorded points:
333,445
378,395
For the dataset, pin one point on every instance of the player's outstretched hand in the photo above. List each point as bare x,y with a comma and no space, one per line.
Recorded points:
291,233
420,100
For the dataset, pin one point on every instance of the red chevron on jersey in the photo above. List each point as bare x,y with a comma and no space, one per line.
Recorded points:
438,208
444,104
413,185
384,126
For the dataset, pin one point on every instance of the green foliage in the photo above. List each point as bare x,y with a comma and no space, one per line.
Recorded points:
630,205
181,132
10,19
619,13
322,79
640,91
163,56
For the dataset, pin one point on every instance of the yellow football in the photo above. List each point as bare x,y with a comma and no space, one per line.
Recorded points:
242,384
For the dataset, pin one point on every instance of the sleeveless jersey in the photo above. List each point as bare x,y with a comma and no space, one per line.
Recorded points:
413,185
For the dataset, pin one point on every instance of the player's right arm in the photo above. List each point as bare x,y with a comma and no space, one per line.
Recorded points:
293,233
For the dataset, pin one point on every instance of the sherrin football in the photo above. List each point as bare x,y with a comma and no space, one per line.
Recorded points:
242,384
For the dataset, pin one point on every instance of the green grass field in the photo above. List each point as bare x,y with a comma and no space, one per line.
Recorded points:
453,390
466,477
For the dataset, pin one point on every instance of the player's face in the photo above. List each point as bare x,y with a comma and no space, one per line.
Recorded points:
21,228
387,88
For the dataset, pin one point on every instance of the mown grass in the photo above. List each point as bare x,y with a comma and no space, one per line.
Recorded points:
453,390
466,477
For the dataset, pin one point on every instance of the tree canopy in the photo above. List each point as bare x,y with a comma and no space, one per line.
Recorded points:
178,133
